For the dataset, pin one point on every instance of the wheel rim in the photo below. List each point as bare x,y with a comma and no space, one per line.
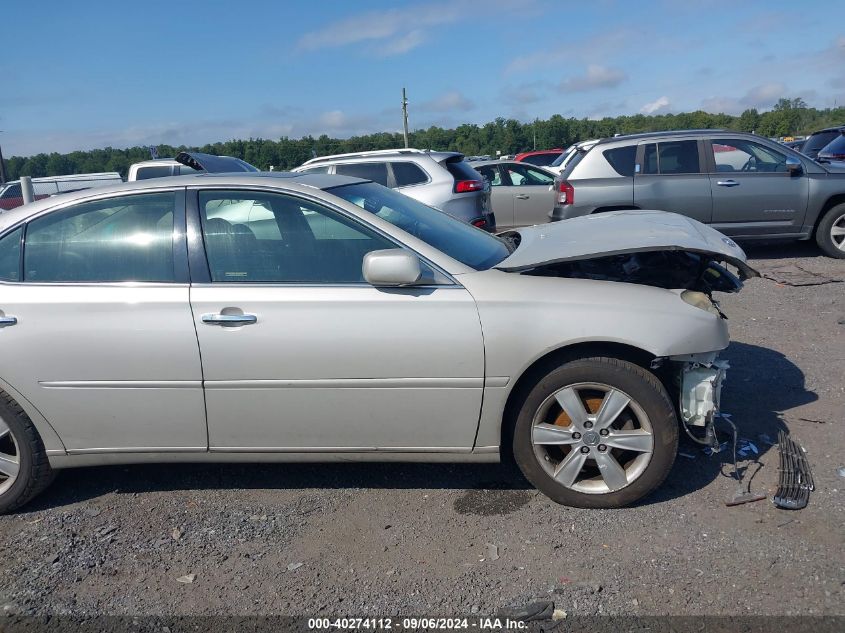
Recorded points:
592,438
837,232
9,457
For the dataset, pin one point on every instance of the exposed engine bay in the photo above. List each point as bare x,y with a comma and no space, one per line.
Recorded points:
663,269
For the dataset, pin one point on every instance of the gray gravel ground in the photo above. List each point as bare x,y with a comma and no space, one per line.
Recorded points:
357,539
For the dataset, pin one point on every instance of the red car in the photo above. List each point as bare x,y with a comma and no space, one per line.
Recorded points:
540,157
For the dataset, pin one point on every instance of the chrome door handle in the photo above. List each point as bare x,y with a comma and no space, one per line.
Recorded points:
522,196
727,183
230,320
6,321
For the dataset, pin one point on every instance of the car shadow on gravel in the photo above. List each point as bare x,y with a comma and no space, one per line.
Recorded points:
781,250
762,383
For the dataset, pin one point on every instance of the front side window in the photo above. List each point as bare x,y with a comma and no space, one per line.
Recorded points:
671,157
119,239
522,175
471,246
10,256
377,172
730,155
256,237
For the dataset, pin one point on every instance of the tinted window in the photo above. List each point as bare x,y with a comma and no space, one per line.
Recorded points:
622,159
540,159
467,244
187,171
522,175
268,237
836,147
119,239
671,157
377,172
12,191
407,174
10,256
461,170
731,155
818,141
324,169
144,173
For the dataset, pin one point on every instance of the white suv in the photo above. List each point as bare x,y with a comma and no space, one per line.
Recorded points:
443,180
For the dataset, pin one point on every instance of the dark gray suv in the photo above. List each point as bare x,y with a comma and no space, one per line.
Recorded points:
744,185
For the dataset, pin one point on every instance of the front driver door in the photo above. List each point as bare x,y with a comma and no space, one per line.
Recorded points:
753,192
300,354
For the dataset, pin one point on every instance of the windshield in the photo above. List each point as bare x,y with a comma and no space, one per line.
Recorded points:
467,244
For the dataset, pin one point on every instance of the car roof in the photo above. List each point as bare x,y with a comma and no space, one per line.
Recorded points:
409,152
834,128
665,134
238,179
493,161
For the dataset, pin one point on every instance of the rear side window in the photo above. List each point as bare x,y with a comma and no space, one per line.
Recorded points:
120,239
324,169
622,159
10,256
407,174
461,170
671,157
145,173
12,191
377,172
541,160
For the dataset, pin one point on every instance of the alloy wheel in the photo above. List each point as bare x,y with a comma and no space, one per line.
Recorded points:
9,457
592,438
837,232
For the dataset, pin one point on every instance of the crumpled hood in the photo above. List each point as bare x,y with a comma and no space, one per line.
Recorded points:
620,232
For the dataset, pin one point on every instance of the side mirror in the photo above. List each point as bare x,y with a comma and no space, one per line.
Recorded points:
793,165
391,267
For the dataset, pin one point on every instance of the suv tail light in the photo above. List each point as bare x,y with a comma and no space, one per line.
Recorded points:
566,193
465,186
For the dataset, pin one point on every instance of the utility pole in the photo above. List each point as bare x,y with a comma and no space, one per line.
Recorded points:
405,115
2,168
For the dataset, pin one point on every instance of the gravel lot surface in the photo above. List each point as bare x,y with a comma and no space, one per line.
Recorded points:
387,539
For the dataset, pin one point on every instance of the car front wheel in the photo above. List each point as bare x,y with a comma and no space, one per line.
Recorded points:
830,234
596,433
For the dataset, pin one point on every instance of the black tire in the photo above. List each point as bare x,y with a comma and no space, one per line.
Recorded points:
834,215
34,474
643,387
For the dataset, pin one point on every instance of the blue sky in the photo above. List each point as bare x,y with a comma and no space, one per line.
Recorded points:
81,75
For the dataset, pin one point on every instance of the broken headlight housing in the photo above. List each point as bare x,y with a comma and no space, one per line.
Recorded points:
701,300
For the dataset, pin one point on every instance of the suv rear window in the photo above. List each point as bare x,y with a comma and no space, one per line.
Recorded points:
461,170
377,172
407,174
818,140
622,159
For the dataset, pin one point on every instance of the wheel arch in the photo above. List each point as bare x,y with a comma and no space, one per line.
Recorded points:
831,202
542,365
51,440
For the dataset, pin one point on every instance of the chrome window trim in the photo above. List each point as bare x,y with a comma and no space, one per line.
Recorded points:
197,241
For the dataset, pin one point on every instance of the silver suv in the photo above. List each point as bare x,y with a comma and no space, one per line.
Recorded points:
743,185
443,180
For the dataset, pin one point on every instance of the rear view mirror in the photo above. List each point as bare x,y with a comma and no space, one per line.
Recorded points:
793,165
391,267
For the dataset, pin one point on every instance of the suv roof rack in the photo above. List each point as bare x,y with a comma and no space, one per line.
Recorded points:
623,137
375,152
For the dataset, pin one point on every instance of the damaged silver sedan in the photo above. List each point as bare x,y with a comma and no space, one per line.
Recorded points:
295,317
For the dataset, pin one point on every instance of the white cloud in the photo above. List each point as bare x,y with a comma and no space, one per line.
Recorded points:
662,103
764,95
400,30
596,78
447,102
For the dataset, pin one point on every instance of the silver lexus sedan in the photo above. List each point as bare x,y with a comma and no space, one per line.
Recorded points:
291,317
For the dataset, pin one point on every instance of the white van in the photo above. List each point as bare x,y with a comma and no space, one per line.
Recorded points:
11,195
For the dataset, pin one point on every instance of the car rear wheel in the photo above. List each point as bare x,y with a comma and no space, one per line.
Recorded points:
24,469
596,433
830,234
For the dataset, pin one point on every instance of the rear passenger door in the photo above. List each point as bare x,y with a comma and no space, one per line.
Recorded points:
670,175
753,192
533,200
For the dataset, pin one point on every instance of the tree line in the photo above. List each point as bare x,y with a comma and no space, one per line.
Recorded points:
509,136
